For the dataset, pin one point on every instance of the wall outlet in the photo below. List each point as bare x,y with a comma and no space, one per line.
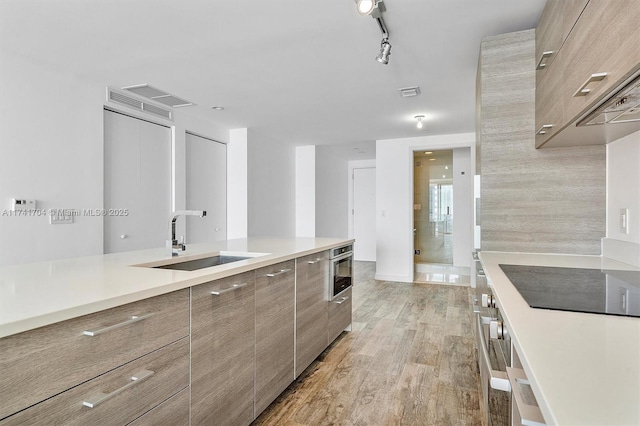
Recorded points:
624,221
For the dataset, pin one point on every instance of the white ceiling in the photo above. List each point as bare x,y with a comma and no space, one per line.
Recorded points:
295,71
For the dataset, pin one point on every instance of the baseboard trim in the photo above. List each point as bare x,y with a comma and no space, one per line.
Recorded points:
622,251
395,278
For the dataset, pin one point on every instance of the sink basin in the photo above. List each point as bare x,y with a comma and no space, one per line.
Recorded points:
193,265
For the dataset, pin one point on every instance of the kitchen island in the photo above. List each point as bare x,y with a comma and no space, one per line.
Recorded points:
38,294
113,339
584,368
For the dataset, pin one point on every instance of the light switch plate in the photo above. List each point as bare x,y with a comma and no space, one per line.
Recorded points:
59,217
624,221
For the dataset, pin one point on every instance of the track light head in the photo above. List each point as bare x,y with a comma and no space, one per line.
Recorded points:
419,118
366,7
385,51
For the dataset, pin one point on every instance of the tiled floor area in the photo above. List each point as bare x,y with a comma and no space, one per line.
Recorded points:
441,274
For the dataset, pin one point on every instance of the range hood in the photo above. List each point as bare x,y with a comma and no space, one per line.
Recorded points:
622,107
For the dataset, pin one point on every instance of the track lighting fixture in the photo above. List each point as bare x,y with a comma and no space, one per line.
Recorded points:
385,51
419,118
375,9
366,7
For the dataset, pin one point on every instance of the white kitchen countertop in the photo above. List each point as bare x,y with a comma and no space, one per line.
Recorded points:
38,294
584,368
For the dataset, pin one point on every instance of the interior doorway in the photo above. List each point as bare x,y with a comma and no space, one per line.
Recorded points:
433,207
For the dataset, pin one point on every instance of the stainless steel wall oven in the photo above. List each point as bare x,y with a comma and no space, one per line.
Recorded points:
341,270
507,395
493,353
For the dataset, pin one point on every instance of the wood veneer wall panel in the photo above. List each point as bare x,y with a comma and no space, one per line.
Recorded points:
543,201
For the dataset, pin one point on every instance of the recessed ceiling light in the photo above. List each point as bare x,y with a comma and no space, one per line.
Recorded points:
446,167
443,176
432,159
217,108
428,152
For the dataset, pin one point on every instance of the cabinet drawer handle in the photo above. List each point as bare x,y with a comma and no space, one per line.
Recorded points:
583,91
275,274
132,320
542,62
543,130
530,414
498,379
341,301
311,262
101,397
227,290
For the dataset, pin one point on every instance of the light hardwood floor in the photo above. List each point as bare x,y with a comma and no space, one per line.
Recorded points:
408,360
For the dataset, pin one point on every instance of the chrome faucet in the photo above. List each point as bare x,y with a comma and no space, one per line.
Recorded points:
173,246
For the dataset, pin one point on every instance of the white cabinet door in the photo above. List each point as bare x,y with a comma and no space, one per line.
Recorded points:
137,183
206,180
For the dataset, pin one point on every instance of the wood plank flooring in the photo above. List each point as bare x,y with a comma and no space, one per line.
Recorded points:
409,360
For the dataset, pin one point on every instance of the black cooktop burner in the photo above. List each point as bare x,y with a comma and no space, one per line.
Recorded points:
611,292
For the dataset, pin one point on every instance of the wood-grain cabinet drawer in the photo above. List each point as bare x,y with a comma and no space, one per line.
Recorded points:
172,412
339,314
275,315
40,363
117,397
312,297
223,351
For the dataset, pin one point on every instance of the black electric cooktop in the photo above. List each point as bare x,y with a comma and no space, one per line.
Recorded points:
598,291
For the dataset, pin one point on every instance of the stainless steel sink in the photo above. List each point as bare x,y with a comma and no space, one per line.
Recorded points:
207,262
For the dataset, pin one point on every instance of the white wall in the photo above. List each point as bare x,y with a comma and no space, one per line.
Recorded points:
305,191
271,188
51,140
394,199
332,212
623,192
237,175
462,207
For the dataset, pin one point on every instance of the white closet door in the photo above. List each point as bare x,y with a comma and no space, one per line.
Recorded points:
206,181
137,180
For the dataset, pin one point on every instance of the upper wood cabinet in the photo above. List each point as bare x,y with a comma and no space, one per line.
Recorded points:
598,50
556,22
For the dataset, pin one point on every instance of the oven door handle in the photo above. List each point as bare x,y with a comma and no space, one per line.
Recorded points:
342,256
498,379
529,413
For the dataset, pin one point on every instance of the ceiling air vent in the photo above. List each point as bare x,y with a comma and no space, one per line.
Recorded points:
408,92
158,95
130,101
